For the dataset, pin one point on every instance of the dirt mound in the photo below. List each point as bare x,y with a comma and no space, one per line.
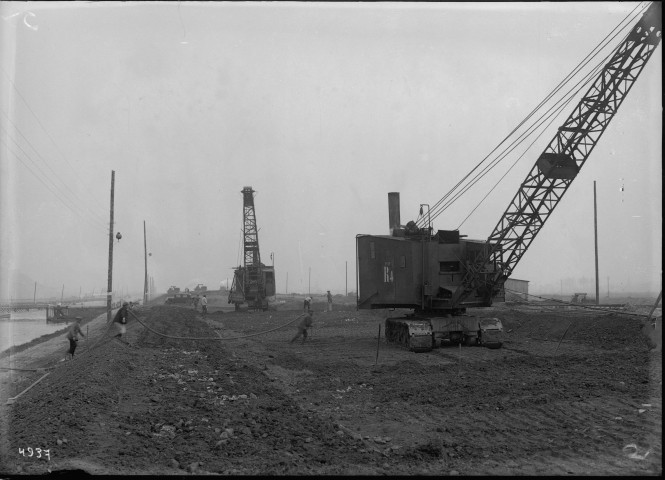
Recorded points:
229,394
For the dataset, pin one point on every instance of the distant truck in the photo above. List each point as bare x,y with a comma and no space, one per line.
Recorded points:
200,288
173,289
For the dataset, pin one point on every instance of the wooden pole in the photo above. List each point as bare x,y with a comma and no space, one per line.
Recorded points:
459,365
62,293
378,342
595,232
109,287
655,305
145,254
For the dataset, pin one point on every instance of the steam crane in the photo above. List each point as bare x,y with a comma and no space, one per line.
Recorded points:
253,282
439,275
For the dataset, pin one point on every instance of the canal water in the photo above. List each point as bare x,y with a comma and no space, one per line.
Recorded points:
23,327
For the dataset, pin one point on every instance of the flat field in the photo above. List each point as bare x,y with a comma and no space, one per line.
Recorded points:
570,392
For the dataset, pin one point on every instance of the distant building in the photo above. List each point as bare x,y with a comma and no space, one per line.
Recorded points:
517,290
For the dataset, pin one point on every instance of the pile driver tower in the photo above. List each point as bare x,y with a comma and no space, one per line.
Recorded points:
253,281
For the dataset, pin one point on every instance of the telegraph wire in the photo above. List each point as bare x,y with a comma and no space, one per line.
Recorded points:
73,197
25,102
49,187
68,203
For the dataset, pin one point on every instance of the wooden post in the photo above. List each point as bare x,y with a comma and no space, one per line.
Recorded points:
109,288
595,232
378,342
145,281
459,366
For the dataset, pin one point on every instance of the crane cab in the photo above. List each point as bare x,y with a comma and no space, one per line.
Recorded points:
415,268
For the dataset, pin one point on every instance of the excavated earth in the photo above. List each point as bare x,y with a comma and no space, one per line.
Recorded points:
570,392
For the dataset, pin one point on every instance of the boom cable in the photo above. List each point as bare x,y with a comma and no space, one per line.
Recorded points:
440,206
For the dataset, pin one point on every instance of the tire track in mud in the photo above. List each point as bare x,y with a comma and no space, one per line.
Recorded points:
523,410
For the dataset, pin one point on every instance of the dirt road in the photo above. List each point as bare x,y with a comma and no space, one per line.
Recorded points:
253,403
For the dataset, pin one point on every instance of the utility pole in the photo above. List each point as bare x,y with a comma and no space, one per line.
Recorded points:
346,278
595,232
145,281
62,293
309,282
287,283
109,288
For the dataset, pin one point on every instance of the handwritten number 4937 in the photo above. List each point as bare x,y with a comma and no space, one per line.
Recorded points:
37,452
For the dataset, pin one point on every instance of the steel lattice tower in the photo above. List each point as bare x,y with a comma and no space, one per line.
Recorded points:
252,263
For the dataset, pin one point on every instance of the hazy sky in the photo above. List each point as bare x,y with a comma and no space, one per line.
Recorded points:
323,109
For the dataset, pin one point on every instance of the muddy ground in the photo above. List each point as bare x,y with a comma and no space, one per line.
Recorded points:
228,394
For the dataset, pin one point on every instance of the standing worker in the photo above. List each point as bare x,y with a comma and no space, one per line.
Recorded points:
304,324
329,301
204,305
72,335
120,321
307,304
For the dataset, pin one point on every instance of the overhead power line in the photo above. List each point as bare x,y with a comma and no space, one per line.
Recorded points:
53,177
73,207
57,148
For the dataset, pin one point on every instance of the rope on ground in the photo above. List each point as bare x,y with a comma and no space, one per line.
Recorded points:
217,337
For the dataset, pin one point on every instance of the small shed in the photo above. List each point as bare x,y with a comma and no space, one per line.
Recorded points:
516,290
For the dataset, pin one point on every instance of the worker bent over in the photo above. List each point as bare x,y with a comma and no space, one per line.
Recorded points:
120,320
72,335
304,324
307,304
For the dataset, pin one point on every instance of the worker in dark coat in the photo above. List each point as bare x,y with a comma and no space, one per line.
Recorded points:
120,320
304,324
72,335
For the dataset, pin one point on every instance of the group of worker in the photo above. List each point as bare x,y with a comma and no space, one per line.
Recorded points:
308,302
120,322
204,304
307,321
